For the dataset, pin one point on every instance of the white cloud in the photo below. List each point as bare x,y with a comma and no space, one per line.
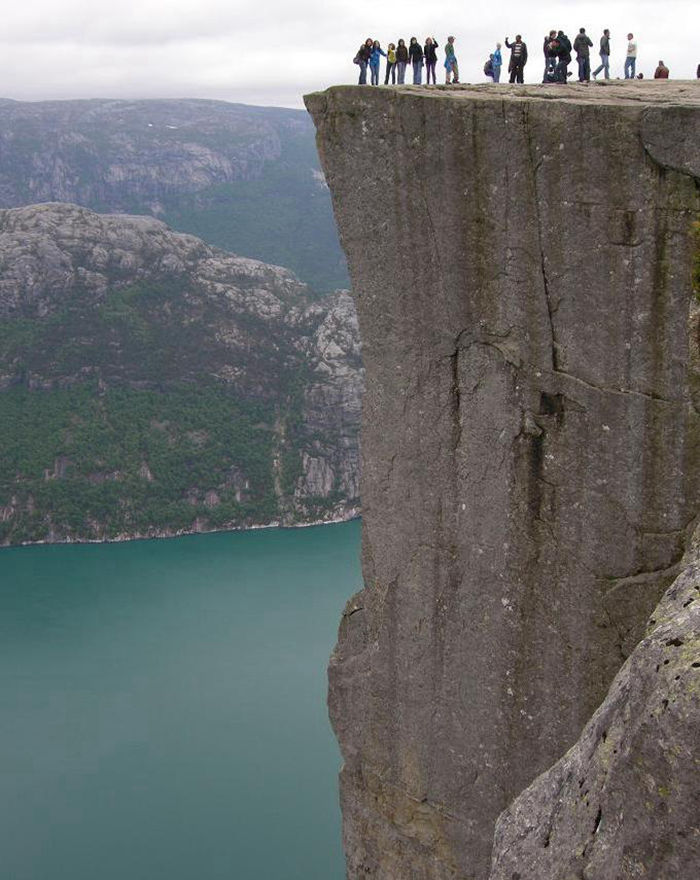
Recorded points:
272,53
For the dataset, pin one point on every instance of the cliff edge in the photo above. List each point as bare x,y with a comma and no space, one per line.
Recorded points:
521,260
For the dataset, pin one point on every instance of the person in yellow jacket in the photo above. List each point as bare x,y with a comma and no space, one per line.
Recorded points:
390,64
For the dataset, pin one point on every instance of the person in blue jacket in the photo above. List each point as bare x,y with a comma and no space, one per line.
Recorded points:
496,62
374,62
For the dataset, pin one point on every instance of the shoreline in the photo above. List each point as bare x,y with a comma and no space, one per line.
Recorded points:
351,514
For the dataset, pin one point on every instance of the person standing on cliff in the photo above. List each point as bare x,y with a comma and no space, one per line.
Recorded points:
415,53
451,66
582,47
631,59
401,62
496,64
604,55
564,56
375,60
430,52
390,64
518,59
364,53
549,49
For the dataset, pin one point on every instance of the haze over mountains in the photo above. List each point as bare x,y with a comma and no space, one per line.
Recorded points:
245,179
149,382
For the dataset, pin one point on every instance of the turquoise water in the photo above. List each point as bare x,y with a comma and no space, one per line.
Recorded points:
162,707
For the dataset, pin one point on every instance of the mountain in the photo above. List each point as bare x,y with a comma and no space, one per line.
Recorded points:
245,179
153,383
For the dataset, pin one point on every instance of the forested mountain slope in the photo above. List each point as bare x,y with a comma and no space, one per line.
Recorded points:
151,383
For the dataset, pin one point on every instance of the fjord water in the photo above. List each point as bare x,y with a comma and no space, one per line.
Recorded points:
162,707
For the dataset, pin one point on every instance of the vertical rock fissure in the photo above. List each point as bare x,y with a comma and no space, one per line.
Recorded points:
534,166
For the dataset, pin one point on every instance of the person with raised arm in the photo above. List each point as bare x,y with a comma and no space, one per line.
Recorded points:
518,59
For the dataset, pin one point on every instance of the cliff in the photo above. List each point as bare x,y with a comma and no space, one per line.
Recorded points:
151,384
522,264
623,802
243,178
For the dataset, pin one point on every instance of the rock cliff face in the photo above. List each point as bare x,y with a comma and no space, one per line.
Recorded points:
522,266
624,800
150,384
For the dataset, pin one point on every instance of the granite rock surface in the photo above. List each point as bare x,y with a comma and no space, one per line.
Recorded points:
625,800
530,436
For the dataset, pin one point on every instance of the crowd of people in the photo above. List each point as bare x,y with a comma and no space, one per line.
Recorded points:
398,58
557,48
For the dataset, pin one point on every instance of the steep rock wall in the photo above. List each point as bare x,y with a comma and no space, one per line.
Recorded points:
522,265
623,802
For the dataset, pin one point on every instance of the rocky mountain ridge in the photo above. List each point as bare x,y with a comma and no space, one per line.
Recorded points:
243,178
155,384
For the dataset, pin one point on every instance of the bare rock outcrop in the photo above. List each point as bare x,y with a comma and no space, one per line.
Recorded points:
625,800
105,308
530,438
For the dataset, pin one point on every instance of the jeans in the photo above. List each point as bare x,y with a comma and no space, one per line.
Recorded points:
417,72
562,71
630,67
390,69
401,72
429,65
374,74
496,73
363,73
453,71
584,68
604,65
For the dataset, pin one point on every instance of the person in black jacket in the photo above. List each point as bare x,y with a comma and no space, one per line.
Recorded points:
582,46
415,53
518,58
364,53
604,55
430,52
401,61
564,57
549,49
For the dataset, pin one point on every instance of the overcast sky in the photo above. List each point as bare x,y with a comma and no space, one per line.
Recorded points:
272,52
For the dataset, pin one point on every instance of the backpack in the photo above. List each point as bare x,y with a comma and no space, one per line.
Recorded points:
488,68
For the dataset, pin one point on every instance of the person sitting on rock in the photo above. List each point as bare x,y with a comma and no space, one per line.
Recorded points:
518,59
661,71
451,66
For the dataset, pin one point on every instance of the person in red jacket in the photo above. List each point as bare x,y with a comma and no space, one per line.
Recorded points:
661,71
